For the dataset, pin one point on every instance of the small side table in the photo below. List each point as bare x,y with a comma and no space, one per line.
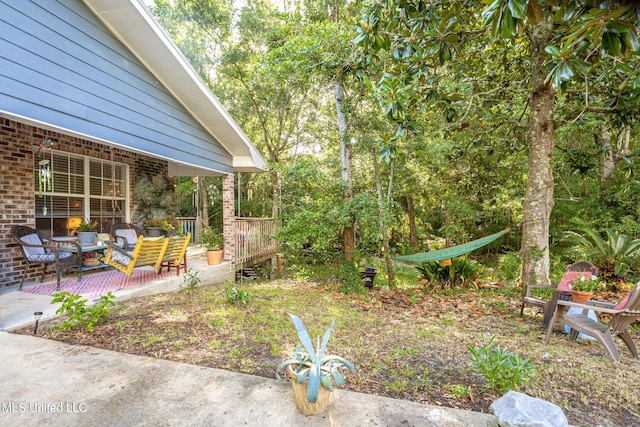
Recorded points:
87,249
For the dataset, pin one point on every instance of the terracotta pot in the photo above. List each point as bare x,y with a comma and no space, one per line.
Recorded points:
214,257
300,396
581,297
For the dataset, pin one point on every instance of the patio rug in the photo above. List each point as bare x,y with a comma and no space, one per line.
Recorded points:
96,284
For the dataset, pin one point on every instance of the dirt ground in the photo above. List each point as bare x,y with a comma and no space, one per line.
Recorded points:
405,344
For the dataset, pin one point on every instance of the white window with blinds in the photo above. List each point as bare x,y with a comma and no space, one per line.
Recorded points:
70,188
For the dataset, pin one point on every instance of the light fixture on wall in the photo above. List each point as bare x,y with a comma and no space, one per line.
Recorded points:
74,223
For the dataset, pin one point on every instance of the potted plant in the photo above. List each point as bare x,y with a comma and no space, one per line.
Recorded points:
213,243
87,232
153,227
314,375
171,226
582,288
168,229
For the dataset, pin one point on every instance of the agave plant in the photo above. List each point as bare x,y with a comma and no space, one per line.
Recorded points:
615,253
313,365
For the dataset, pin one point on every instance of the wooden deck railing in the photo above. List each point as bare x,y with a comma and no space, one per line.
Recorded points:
189,225
255,239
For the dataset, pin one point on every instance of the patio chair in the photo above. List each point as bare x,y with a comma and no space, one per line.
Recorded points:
561,291
176,253
39,250
622,316
147,251
126,235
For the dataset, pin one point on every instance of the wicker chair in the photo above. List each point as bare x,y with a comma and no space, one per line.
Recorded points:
126,235
39,250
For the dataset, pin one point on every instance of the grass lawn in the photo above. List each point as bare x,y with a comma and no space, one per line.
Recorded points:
406,344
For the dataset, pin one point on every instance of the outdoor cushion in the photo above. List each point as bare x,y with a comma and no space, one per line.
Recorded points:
128,234
49,257
120,258
623,302
32,239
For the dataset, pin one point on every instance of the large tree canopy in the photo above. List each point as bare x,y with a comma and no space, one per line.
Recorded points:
427,44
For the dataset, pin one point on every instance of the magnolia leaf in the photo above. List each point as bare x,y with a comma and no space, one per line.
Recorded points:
629,42
534,12
565,71
580,65
611,43
553,51
508,25
518,8
617,27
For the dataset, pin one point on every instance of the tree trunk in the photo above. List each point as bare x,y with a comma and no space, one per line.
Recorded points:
411,213
612,154
383,224
204,196
275,189
348,234
538,201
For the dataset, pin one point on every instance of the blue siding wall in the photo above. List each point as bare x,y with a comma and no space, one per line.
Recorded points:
60,65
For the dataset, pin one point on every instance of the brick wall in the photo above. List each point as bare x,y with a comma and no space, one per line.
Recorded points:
228,217
17,142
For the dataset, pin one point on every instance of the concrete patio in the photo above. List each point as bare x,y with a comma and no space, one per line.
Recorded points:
17,308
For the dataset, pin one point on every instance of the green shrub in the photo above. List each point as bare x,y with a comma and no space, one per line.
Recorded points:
78,314
236,296
502,370
460,271
191,280
350,280
509,266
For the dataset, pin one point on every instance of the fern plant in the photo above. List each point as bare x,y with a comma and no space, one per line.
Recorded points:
614,254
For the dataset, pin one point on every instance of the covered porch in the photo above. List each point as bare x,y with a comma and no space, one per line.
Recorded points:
17,308
118,108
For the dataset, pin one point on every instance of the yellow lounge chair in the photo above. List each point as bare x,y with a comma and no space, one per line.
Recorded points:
148,251
175,253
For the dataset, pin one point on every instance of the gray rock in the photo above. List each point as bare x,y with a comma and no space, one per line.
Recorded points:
519,410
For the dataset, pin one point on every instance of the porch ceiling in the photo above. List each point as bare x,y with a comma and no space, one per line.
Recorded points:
132,23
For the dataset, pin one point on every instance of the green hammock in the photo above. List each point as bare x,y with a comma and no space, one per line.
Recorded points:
451,252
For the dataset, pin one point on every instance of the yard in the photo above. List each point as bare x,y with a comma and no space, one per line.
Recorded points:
406,344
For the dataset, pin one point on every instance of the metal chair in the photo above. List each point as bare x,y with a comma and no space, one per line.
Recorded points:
39,250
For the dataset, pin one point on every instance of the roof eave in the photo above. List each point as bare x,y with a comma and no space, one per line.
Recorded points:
134,25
